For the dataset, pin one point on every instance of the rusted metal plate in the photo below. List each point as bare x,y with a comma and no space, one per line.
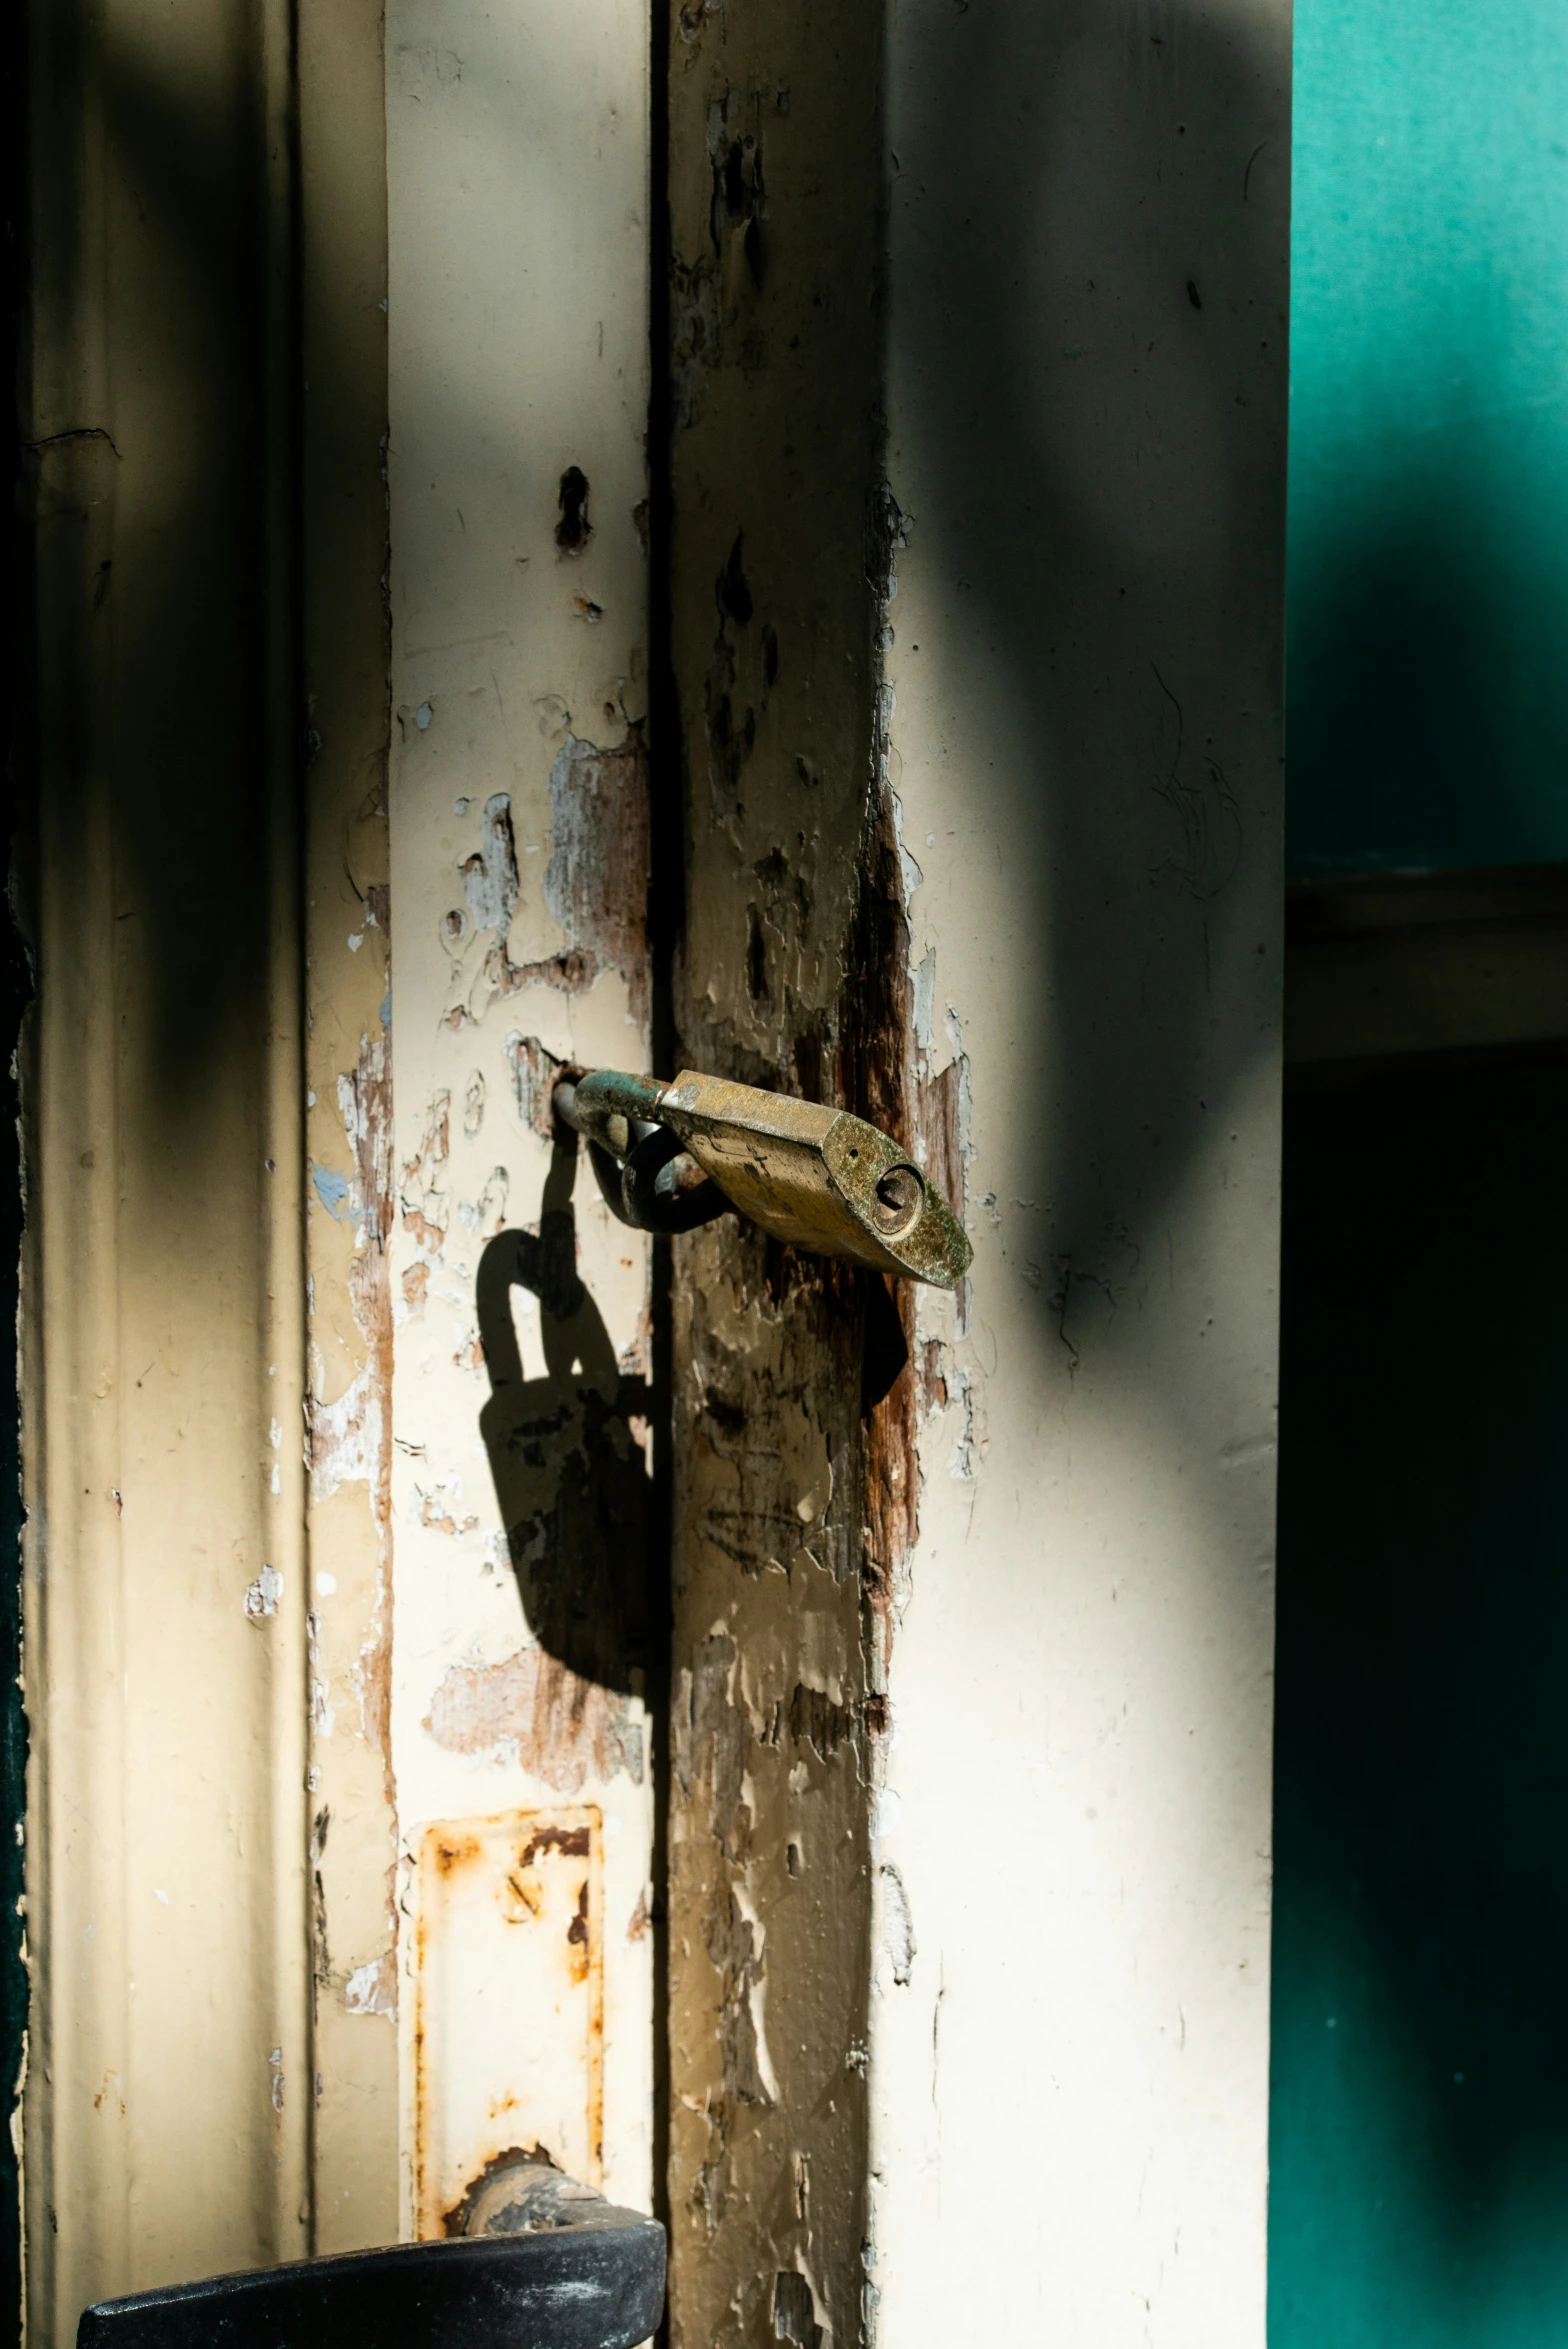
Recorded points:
508,2003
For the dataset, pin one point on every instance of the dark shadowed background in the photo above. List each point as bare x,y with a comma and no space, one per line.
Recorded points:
1419,2097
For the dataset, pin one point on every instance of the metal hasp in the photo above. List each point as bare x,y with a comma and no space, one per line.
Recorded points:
545,2264
816,1177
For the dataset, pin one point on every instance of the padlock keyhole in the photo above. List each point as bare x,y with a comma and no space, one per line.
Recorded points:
897,1197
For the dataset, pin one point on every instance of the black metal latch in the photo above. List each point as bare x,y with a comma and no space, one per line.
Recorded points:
544,2264
671,1156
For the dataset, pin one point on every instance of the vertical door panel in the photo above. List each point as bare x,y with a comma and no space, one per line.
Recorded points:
517,157
168,2084
1086,427
978,323
351,1852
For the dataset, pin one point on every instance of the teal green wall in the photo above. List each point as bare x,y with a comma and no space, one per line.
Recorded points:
1419,2100
1428,578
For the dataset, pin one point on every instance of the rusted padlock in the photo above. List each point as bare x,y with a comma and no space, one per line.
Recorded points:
669,1156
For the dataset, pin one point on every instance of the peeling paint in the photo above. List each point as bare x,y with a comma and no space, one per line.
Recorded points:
371,1989
262,1596
349,1458
768,1734
331,1188
534,1070
897,1935
595,885
795,2310
532,1710
346,1437
785,1530
421,1194
350,1438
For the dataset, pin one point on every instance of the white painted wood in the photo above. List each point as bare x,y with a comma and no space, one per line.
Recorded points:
1070,2019
517,163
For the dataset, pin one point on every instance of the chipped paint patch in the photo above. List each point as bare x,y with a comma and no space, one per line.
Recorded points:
331,1188
350,1436
346,1437
595,885
422,1192
534,1069
532,1710
261,1598
795,2316
371,1989
896,1924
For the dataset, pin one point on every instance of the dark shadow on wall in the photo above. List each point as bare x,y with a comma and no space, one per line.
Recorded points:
1419,2147
567,1450
1428,726
15,994
185,696
1089,213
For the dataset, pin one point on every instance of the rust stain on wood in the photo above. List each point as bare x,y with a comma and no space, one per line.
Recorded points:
454,2219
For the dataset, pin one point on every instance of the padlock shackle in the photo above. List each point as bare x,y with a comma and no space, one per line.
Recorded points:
605,1104
647,1179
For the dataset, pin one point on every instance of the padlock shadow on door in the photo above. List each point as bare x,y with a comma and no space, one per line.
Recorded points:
568,1451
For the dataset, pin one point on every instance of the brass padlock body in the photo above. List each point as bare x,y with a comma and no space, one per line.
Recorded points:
817,1177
